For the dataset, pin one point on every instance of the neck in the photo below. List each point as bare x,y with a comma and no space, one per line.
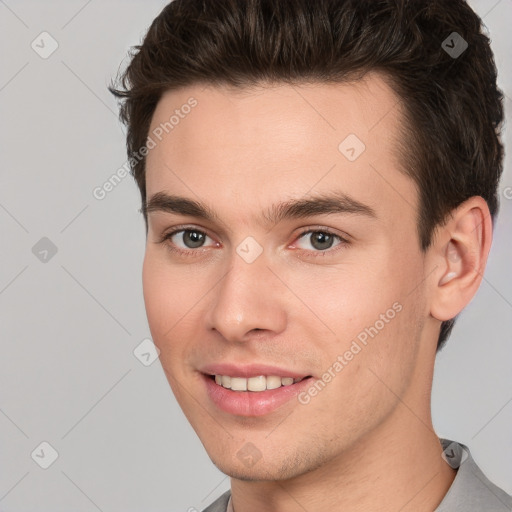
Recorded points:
397,467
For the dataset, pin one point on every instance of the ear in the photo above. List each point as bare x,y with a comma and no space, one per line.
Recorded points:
459,255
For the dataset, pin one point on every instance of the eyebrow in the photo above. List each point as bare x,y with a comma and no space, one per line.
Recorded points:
322,204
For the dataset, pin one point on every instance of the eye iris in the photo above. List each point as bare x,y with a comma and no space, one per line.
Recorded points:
321,241
193,239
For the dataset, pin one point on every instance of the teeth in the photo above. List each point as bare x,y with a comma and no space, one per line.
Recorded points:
273,382
259,383
238,384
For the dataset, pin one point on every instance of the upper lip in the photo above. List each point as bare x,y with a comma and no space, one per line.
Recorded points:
250,370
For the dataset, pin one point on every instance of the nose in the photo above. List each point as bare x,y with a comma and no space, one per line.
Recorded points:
249,298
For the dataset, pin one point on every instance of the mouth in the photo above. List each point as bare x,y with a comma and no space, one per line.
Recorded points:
253,395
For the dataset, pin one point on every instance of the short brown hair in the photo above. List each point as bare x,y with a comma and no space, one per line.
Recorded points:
453,107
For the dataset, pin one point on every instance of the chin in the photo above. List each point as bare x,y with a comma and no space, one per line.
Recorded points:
285,468
255,474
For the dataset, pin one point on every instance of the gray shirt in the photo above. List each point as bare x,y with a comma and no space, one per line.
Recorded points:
470,491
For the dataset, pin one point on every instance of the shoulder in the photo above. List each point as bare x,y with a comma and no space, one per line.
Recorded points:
220,504
471,489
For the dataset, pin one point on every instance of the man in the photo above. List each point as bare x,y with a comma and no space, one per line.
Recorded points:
319,183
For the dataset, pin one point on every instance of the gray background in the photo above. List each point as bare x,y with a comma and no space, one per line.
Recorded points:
69,326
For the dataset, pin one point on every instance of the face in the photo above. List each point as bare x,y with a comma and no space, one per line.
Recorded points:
279,246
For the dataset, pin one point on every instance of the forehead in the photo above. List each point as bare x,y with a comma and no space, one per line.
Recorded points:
268,143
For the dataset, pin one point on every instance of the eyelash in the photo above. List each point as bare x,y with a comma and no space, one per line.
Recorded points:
193,252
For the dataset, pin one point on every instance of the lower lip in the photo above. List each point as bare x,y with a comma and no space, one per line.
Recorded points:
252,403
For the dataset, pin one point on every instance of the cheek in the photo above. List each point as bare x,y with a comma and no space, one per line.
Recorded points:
342,300
364,313
157,302
382,352
170,299
169,296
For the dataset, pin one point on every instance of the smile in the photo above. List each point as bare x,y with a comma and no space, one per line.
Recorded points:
257,395
255,384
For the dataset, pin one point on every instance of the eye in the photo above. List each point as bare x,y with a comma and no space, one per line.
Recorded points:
189,241
320,240
184,240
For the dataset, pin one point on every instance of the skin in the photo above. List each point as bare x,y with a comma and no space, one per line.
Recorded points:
366,441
